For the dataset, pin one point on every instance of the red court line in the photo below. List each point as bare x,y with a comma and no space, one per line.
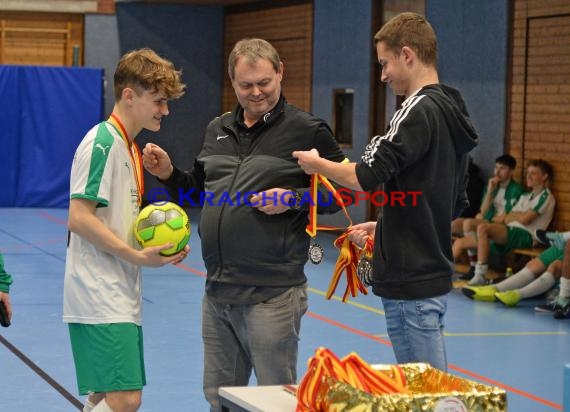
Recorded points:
191,270
387,342
378,339
47,216
506,387
349,328
451,366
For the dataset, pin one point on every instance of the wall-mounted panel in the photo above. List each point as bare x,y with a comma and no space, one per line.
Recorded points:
539,125
41,39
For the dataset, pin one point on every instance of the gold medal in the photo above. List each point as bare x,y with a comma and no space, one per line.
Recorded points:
316,253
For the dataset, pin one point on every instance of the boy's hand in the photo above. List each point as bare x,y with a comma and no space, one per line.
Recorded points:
308,160
361,232
5,309
150,256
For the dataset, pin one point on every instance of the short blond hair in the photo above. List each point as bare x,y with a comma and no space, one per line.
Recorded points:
411,30
144,70
252,50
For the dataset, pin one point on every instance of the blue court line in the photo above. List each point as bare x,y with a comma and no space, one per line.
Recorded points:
388,343
371,336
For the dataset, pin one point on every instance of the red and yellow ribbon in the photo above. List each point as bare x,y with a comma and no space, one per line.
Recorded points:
352,370
134,153
349,253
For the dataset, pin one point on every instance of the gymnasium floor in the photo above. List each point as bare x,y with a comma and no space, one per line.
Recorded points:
518,350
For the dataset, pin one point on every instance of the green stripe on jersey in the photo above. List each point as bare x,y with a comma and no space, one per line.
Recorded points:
101,148
541,201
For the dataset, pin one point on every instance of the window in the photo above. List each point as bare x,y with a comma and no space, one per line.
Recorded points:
343,107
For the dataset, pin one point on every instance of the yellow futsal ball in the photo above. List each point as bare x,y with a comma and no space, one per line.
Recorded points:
157,225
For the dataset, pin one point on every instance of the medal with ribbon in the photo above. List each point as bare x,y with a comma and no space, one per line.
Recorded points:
349,253
134,153
364,266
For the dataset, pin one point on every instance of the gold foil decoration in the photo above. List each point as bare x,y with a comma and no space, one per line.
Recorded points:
429,390
352,370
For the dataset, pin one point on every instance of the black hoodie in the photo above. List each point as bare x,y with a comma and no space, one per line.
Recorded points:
424,150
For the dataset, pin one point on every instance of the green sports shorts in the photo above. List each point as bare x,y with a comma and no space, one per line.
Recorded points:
517,238
108,357
550,255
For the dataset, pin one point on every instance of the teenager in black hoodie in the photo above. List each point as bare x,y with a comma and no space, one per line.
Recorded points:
424,150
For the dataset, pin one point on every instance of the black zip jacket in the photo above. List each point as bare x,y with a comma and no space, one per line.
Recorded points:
241,245
424,150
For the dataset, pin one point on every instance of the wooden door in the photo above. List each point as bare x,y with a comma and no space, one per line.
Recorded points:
290,30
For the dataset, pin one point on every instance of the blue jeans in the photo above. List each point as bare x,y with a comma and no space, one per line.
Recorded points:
240,338
415,328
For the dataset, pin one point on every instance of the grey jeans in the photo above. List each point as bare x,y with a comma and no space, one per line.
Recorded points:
240,338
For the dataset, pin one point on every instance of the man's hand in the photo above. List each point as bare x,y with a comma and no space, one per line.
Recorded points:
308,160
273,201
156,161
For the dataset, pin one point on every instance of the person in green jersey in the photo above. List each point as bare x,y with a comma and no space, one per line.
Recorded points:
102,284
5,282
499,197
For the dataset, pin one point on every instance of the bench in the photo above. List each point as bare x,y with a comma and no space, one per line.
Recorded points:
518,258
530,252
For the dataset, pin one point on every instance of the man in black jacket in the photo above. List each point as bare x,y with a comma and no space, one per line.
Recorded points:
252,225
424,150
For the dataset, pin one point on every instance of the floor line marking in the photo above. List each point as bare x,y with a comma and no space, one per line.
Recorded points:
451,366
475,334
506,387
348,302
386,342
42,374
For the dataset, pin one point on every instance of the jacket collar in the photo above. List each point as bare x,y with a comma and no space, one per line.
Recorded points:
237,115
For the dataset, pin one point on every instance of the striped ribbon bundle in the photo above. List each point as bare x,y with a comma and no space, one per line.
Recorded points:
352,370
349,253
348,257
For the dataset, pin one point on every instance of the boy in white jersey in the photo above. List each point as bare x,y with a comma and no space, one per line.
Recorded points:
533,211
498,199
102,286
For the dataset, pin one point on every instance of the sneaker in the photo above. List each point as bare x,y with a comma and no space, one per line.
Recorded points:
509,297
552,294
562,310
550,238
480,293
547,307
478,280
469,274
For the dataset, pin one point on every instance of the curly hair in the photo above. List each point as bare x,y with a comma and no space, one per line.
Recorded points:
144,70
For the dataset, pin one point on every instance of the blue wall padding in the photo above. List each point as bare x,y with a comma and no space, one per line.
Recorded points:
46,112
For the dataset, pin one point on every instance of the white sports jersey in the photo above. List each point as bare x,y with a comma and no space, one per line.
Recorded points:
542,203
100,287
499,201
